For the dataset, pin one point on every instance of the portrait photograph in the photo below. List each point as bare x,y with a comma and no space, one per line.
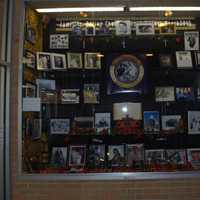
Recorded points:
70,96
76,28
163,94
193,155
74,61
59,157
92,61
197,59
151,121
168,29
44,61
176,156
145,28
77,155
170,122
116,155
123,28
30,59
59,62
184,59
155,157
59,41
59,126
193,122
184,94
91,93
90,29
103,122
191,40
166,60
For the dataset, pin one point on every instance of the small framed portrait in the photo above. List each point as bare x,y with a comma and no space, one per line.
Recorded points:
90,29
77,155
29,90
30,59
191,40
123,28
184,94
76,28
91,93
116,155
184,59
166,60
70,96
176,156
193,122
59,62
145,28
30,34
168,29
155,157
170,122
197,59
59,126
103,122
59,41
104,28
59,157
194,157
163,94
96,156
44,61
74,61
151,121
37,129
92,61
135,155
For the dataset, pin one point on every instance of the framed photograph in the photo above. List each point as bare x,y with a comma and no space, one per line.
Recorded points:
176,156
59,41
90,29
59,62
92,61
193,122
194,157
59,157
91,93
191,40
155,157
127,110
170,122
197,59
103,122
84,122
168,29
37,129
184,59
184,94
45,85
74,61
116,155
48,96
104,28
70,96
76,28
123,28
77,155
59,126
30,34
145,28
151,121
30,59
29,90
135,155
96,156
44,61
163,94
166,60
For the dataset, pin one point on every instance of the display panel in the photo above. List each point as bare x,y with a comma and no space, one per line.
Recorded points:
97,98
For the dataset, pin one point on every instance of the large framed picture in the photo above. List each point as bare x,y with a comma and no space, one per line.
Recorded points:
166,60
170,122
191,40
30,59
145,28
59,41
70,96
155,157
77,155
123,28
184,94
91,93
59,157
193,122
176,156
103,122
59,126
163,94
92,61
59,62
184,59
151,121
44,61
193,155
74,60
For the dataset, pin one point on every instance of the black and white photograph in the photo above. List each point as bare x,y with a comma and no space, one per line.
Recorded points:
193,155
44,61
29,59
116,155
37,129
59,126
170,122
70,96
191,40
76,28
184,59
59,157
193,122
74,61
166,60
197,59
77,155
163,94
91,93
59,62
90,29
176,156
123,28
59,41
103,122
96,155
135,155
155,157
92,61
104,28
145,28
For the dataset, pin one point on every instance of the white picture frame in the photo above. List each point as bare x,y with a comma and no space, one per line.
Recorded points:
44,61
191,40
92,60
74,61
59,41
164,94
90,29
193,122
103,122
145,28
184,59
170,122
59,126
123,27
59,61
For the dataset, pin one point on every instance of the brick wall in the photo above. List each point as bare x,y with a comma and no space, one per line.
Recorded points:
183,189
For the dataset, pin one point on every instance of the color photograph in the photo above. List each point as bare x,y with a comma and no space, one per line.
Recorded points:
103,122
193,122
170,122
184,94
91,93
155,157
59,126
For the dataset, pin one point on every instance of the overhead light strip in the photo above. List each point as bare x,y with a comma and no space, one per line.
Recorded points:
178,8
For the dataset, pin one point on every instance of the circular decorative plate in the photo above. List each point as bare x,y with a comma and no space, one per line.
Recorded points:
126,71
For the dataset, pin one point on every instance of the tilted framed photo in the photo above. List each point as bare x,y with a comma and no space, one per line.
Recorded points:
193,155
103,122
193,122
70,96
